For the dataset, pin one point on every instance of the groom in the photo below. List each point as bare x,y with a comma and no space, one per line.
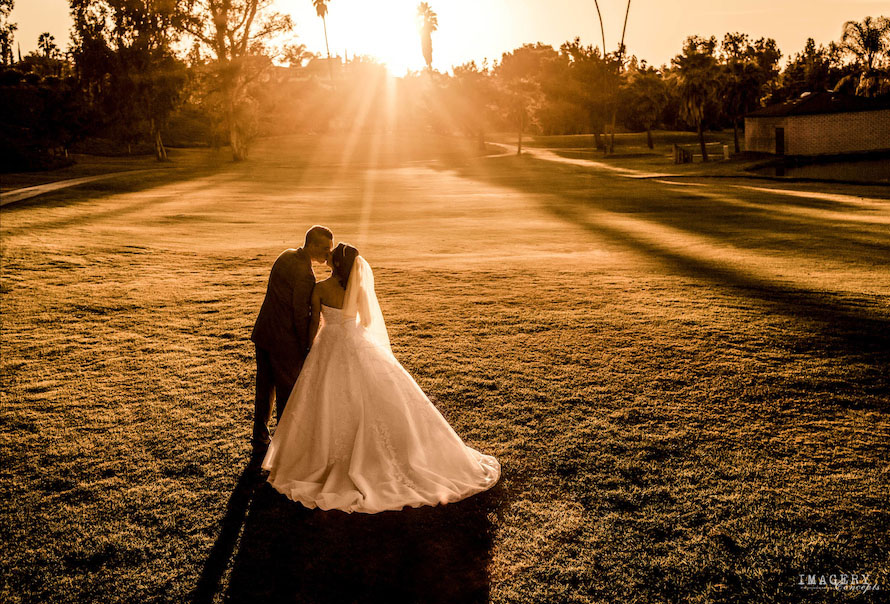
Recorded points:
281,332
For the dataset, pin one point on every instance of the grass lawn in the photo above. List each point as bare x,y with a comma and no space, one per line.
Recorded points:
93,165
686,383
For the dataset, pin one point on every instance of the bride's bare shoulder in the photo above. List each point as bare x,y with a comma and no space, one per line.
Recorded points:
330,282
329,285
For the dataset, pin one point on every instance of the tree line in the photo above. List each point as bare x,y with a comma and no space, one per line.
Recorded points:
139,74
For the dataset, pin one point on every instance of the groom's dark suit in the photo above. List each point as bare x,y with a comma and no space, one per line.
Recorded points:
281,335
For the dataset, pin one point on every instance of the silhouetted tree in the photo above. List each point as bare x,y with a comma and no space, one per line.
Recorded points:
619,64
428,23
236,32
46,43
587,86
868,42
815,69
519,77
7,31
473,95
296,55
696,69
746,69
125,60
599,16
40,116
560,110
643,98
321,9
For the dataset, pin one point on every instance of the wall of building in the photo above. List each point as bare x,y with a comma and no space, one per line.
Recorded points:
821,134
760,133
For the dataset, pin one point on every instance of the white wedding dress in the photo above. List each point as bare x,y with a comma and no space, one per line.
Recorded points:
358,434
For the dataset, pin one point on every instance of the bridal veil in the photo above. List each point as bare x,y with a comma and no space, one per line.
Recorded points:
361,301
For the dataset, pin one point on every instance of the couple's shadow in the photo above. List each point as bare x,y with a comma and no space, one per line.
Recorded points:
288,553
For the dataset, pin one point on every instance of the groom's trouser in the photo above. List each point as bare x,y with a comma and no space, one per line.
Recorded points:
275,378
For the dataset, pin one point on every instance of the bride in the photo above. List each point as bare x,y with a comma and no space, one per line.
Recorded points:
358,434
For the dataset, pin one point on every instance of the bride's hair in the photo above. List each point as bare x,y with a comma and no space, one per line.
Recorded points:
342,258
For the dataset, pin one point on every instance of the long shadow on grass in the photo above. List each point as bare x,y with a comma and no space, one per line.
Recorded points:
855,328
747,219
289,553
66,198
236,510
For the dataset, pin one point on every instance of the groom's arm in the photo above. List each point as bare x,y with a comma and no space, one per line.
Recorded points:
316,315
302,301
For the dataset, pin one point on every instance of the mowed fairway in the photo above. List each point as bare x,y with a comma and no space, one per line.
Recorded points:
686,382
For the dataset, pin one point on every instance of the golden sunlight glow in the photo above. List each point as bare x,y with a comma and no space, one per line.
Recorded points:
385,30
474,29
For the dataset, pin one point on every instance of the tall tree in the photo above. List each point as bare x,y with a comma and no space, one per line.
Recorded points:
123,50
643,98
236,32
815,69
869,43
697,69
473,91
599,16
321,9
46,43
519,77
428,23
588,86
746,68
619,66
7,31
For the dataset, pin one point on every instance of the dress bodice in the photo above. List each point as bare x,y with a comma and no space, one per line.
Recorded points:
335,316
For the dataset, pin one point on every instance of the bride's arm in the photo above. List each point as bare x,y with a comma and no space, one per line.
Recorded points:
316,314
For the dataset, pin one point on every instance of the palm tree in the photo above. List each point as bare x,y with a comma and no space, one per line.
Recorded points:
7,32
868,41
321,9
620,67
602,29
603,34
47,43
429,22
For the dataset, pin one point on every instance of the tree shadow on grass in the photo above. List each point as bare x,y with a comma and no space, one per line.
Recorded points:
289,553
84,215
851,326
832,320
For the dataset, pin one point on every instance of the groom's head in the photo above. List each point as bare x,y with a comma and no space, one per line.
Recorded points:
319,242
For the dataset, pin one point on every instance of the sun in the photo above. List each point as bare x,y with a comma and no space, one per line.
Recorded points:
385,30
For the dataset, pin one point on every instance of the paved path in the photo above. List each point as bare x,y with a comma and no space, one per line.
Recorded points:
659,177
548,155
29,192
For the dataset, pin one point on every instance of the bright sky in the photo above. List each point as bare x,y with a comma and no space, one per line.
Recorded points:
476,29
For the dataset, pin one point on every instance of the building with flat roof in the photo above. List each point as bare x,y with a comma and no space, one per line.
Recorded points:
820,123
